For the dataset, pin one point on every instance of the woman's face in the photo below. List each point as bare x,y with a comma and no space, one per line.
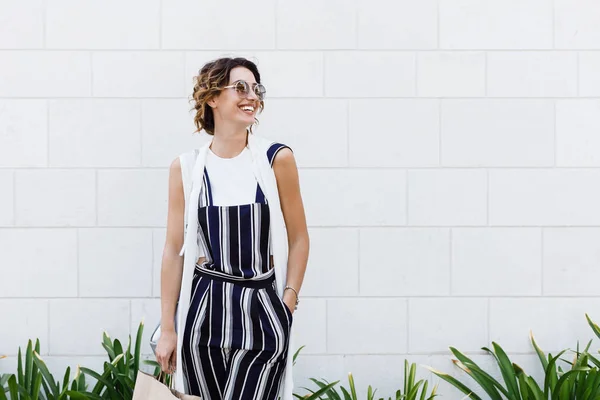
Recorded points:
228,105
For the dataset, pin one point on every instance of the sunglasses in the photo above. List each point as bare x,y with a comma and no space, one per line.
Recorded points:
243,89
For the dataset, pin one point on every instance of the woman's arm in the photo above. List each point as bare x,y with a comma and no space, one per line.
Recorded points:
171,271
172,262
288,185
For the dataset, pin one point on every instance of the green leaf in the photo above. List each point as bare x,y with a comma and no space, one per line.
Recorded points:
151,362
456,383
119,350
331,393
352,388
108,346
138,350
126,383
103,380
66,377
20,376
595,328
346,394
414,390
128,357
110,351
45,386
83,395
486,381
316,395
29,379
296,354
538,351
507,370
41,365
565,380
405,376
550,372
37,386
12,387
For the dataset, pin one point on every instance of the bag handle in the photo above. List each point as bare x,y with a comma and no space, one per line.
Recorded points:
162,377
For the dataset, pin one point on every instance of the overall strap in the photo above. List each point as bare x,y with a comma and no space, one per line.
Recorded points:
208,198
260,196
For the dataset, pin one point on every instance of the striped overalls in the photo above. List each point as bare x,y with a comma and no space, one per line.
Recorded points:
236,335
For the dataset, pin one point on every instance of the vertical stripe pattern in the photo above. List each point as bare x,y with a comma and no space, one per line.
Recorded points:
235,342
236,334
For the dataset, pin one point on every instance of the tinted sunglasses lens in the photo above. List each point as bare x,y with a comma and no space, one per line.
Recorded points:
241,87
260,91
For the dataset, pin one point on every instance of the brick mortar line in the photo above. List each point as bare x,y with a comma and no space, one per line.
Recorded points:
305,50
482,226
330,298
315,98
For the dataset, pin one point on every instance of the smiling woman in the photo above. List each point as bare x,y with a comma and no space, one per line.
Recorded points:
223,74
244,265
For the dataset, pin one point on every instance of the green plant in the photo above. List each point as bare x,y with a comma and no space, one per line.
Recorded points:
34,374
581,382
411,390
117,381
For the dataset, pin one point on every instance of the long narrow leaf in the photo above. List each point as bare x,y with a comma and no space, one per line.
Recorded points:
331,393
316,395
352,388
595,328
37,386
107,372
507,370
66,377
119,350
20,376
29,365
485,380
41,365
12,387
346,394
101,378
551,378
83,395
455,382
564,380
538,351
138,350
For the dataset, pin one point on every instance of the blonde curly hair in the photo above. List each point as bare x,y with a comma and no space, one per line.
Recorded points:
208,83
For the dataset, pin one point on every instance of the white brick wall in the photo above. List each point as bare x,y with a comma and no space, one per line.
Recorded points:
449,156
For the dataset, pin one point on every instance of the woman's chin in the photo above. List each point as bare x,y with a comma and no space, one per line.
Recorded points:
246,119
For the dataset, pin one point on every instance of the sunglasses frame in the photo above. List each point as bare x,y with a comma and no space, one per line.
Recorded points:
247,85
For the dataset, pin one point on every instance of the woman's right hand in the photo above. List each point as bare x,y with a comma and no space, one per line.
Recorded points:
166,351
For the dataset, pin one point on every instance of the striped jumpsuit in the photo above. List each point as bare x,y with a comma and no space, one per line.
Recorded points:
236,334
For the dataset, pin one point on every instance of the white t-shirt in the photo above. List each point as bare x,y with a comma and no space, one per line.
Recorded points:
232,180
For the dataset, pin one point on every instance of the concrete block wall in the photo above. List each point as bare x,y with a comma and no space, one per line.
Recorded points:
449,156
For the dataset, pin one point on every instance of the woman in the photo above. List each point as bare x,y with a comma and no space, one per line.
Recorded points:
236,329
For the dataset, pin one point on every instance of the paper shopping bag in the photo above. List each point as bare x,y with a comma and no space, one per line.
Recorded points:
149,387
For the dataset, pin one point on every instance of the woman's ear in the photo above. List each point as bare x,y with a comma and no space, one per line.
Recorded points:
212,102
